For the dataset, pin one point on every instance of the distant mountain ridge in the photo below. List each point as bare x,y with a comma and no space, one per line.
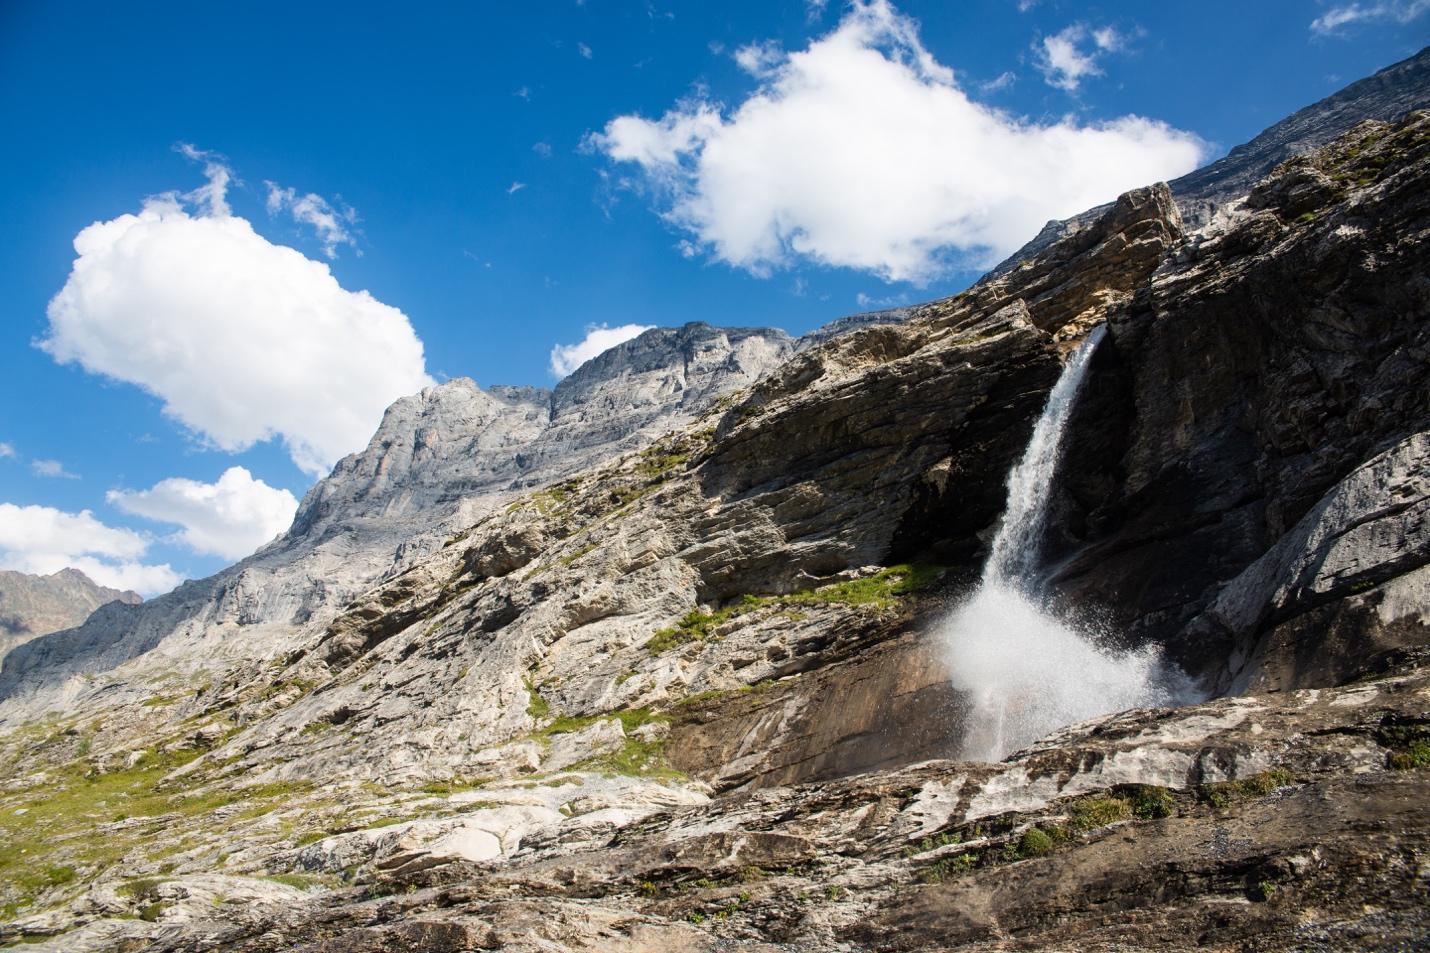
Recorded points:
33,605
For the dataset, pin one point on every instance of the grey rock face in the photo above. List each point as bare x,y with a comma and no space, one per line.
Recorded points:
32,606
1266,361
589,716
440,461
1386,96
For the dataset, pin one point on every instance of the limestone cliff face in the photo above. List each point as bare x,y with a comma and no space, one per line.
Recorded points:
32,606
1254,424
655,661
440,460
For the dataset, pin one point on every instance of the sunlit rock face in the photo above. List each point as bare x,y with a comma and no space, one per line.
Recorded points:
31,605
686,685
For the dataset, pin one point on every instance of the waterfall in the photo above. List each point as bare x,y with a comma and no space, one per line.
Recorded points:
1026,671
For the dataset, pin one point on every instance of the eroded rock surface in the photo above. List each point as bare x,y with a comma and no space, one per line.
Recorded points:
683,690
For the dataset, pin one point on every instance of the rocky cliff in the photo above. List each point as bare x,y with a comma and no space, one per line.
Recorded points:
31,606
440,460
683,684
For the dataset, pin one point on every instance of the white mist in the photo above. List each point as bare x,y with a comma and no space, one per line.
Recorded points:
1026,672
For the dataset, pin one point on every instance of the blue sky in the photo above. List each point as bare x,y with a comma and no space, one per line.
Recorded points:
500,178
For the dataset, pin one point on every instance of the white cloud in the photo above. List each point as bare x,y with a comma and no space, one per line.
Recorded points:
1070,55
212,196
40,539
584,50
515,187
242,339
51,468
760,59
565,358
861,151
230,518
1000,82
1400,11
6,450
542,149
330,225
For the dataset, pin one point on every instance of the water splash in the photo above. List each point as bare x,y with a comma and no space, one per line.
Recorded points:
1026,671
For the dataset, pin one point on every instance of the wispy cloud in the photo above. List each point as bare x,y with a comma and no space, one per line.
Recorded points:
212,196
542,149
515,187
1343,15
760,59
584,50
332,226
1072,54
1002,81
6,450
53,469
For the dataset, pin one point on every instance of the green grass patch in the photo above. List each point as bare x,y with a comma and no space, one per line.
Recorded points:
536,706
1098,812
1225,793
1148,801
1409,745
571,557
884,588
64,835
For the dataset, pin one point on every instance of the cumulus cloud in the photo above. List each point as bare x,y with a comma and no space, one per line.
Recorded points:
861,151
230,518
331,225
542,149
1071,54
1398,11
51,468
242,340
6,450
41,539
565,358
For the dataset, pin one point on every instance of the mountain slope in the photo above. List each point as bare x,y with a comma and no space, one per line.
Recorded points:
666,667
696,694
32,606
439,460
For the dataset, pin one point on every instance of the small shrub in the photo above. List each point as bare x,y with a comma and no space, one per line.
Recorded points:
1409,746
1224,793
1035,842
1262,890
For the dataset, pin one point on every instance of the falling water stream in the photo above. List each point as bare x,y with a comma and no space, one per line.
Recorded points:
1026,671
